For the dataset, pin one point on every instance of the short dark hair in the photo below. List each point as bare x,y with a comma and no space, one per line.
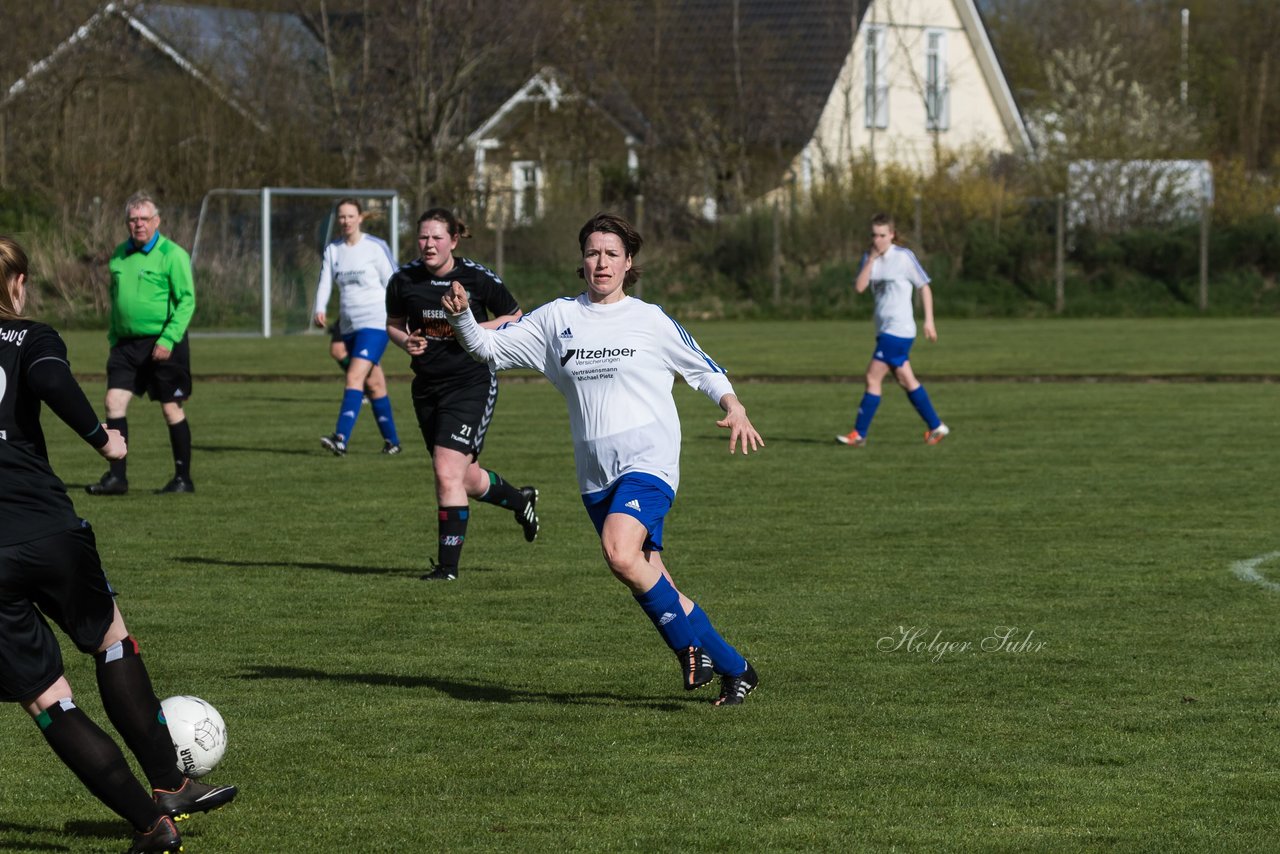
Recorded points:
455,226
350,201
884,219
608,223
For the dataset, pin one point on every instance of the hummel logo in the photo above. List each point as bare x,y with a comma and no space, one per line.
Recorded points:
634,504
666,618
566,333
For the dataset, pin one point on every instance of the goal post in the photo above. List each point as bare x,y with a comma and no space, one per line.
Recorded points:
266,209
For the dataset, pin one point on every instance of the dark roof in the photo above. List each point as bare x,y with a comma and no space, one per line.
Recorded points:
243,53
788,59
674,69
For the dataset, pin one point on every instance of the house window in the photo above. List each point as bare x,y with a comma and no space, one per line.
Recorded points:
937,95
526,191
876,108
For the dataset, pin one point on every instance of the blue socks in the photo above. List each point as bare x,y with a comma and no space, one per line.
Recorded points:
351,400
725,658
866,411
920,400
661,603
386,423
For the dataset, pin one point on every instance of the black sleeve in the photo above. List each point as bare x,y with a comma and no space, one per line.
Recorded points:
498,300
50,378
395,305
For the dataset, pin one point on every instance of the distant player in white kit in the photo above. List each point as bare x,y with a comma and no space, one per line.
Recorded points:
614,358
893,272
361,265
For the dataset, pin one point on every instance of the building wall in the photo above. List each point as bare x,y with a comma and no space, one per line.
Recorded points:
974,117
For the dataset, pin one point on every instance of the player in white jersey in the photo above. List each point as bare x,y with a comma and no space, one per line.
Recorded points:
893,273
361,265
614,358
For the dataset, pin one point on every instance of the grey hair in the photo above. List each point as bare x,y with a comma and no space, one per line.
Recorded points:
137,200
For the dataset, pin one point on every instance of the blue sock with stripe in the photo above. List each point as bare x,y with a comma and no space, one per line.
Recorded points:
920,400
386,422
725,658
352,398
866,411
661,603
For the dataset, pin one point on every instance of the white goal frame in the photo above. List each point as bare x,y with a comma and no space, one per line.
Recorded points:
267,194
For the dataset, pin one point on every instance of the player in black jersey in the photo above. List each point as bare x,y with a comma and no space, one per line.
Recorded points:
49,570
453,395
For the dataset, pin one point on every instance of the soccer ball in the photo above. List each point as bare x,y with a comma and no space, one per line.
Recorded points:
198,733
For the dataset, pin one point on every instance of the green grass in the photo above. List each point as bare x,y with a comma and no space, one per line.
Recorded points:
531,706
966,348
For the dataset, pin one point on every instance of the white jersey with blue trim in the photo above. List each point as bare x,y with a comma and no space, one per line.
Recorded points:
894,275
615,365
361,273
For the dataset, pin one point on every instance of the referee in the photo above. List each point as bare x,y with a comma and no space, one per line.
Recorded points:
152,300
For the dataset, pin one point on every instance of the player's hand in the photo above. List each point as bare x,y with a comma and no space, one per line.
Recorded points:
319,319
739,426
455,301
116,447
415,344
160,354
930,331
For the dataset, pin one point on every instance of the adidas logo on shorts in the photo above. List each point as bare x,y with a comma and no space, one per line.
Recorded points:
634,504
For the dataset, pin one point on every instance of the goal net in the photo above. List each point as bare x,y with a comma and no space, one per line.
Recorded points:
256,253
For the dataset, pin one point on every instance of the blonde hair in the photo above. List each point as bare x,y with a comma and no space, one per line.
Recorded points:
13,263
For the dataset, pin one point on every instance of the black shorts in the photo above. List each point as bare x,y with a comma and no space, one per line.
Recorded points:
131,367
455,417
335,332
61,576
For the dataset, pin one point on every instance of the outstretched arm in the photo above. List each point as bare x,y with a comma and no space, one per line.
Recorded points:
514,345
51,380
739,426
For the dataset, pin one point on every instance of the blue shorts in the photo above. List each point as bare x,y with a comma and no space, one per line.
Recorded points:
893,350
641,496
366,344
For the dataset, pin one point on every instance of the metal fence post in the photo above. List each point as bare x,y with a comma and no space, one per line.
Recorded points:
777,253
499,240
639,212
266,262
919,224
1060,255
1204,253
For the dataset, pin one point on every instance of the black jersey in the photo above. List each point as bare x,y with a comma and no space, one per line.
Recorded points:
33,501
414,293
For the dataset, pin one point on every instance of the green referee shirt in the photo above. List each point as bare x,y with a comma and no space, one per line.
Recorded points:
152,292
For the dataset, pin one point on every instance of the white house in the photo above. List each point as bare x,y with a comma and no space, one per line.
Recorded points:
921,76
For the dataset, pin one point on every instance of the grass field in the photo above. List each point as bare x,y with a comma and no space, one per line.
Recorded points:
530,706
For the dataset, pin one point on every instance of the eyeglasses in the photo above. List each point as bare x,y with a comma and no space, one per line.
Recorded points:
138,220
